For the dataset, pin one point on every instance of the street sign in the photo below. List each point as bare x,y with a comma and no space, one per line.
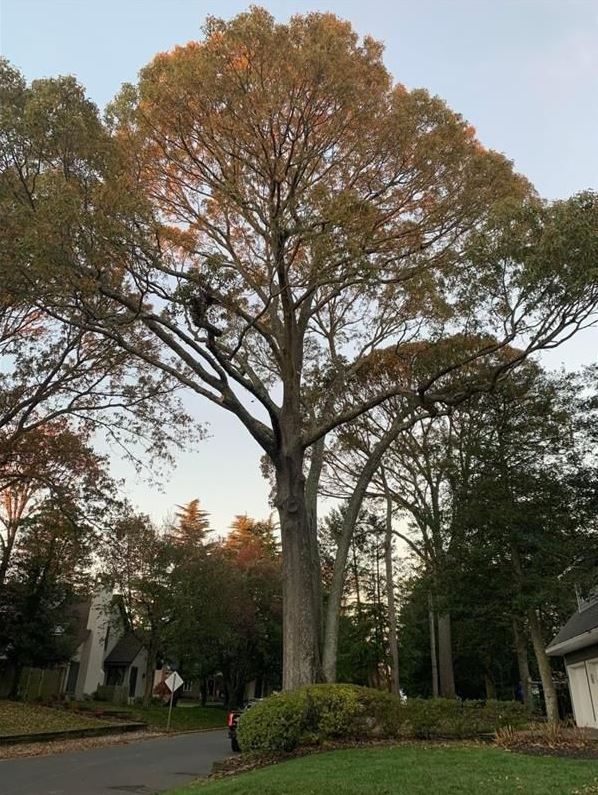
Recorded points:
174,681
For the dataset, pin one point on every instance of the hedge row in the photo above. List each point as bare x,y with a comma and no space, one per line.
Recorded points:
317,713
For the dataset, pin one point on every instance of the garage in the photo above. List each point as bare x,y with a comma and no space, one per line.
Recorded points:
577,642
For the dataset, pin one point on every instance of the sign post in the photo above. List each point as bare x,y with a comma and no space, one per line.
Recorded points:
172,682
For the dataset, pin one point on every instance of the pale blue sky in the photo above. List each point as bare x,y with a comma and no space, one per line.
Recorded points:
523,72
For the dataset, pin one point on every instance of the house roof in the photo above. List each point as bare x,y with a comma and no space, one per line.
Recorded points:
580,631
125,651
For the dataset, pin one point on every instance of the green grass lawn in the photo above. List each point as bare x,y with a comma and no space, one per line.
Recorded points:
412,770
184,718
18,717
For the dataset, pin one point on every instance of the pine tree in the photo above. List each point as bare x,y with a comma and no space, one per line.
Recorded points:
252,539
192,524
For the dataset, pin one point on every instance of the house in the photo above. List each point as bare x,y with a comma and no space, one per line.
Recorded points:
126,665
106,653
577,642
91,619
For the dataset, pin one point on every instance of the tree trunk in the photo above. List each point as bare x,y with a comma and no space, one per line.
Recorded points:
433,655
16,681
7,548
311,499
489,684
302,609
148,689
544,667
445,656
335,596
390,596
522,662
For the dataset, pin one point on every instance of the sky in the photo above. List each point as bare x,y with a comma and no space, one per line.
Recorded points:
523,72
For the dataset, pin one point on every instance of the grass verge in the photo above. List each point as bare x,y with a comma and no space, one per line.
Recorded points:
17,717
184,718
411,770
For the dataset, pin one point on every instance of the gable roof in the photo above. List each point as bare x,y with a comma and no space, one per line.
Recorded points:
125,650
580,631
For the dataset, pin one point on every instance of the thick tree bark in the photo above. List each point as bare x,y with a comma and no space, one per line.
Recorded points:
433,654
445,656
302,613
544,667
522,662
390,596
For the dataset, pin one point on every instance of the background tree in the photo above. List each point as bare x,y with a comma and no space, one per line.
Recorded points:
513,531
227,610
192,524
137,562
50,466
54,158
365,654
49,574
249,538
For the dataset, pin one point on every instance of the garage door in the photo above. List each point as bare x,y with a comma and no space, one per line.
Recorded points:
581,696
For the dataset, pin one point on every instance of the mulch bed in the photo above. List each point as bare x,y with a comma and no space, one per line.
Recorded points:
571,743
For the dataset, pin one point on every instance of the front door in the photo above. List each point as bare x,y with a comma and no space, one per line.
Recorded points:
132,682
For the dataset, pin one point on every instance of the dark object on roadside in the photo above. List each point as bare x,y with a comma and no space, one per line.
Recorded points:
232,720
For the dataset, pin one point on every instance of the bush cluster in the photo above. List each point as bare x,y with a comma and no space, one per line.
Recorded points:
320,713
443,717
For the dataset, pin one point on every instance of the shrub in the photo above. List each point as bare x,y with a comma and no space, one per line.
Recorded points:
315,714
442,717
318,713
275,724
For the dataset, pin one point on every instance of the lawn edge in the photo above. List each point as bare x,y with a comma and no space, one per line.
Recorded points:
71,734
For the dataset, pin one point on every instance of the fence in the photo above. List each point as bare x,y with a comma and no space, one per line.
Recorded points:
41,683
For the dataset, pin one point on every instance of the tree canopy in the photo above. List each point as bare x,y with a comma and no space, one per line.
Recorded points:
263,218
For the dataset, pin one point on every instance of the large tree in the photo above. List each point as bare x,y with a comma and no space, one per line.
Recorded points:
290,211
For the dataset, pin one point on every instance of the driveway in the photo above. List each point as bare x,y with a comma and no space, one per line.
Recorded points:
138,768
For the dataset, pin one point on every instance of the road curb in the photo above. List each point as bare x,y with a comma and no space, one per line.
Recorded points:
71,734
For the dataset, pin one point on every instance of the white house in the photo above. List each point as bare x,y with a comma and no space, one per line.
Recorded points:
106,653
577,642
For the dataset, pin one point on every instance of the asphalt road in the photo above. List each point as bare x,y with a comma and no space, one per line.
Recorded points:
139,768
